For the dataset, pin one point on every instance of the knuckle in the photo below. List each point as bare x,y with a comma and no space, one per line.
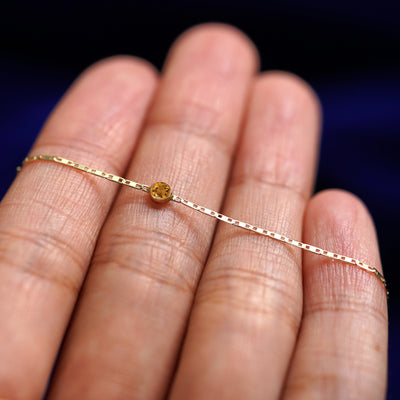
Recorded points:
358,304
256,286
43,258
193,119
165,258
313,385
38,243
263,180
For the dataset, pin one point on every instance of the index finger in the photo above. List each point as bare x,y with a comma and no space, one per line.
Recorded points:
48,230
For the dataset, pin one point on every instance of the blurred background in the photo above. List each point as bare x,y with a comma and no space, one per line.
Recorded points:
347,50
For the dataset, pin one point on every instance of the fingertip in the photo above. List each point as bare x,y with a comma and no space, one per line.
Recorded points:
335,209
123,67
225,36
290,88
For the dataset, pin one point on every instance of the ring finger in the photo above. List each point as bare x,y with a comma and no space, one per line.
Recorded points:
248,306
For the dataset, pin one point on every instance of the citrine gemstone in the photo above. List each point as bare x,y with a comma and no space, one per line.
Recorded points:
160,192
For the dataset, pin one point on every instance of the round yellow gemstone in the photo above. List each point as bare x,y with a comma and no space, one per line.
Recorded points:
160,192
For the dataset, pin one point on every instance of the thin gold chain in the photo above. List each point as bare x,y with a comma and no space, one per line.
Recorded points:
212,213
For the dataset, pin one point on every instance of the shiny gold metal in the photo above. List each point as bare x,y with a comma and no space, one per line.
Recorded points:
161,192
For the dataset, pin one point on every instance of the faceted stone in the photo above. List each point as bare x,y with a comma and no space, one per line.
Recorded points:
160,192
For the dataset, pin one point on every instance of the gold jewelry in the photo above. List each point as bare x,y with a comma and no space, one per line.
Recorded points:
161,192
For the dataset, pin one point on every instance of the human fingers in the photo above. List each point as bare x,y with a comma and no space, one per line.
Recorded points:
342,346
248,305
51,217
129,324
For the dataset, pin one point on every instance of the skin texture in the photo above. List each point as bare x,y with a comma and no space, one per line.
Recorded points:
157,301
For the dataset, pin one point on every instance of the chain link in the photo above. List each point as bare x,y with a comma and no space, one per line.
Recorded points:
214,214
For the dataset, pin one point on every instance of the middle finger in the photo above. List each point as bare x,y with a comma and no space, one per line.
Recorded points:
130,321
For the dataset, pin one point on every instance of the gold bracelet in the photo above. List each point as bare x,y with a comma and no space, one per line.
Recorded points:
161,192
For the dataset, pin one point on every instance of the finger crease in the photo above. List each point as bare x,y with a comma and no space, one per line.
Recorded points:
256,180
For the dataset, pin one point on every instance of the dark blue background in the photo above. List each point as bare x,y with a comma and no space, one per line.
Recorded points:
346,50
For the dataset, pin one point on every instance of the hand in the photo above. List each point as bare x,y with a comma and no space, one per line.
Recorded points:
168,307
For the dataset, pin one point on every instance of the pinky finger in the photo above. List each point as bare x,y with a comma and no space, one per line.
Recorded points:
341,351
